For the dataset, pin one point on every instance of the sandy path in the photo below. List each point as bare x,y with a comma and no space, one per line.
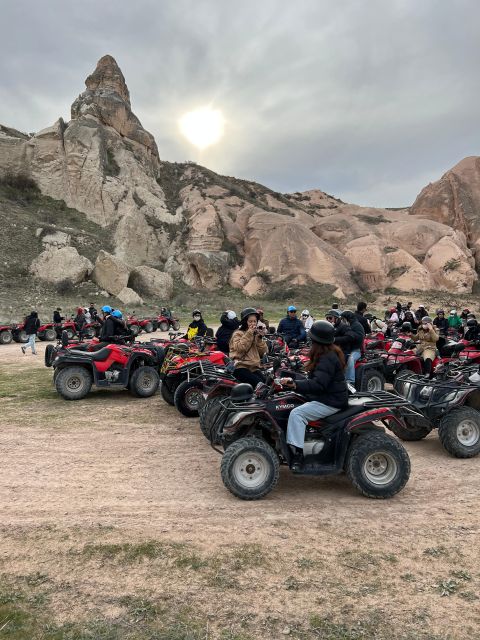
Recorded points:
140,469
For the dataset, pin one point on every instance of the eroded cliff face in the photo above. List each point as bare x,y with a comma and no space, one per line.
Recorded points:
210,230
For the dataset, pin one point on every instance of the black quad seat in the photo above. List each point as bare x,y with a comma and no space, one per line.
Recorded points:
100,355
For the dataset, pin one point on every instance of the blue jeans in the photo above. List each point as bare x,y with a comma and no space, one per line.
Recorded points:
31,342
350,370
298,418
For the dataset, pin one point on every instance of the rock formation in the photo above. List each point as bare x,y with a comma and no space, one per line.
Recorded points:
185,222
57,264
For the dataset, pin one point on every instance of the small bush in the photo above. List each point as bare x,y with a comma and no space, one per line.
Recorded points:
64,287
390,249
265,275
372,219
19,186
112,167
451,265
396,272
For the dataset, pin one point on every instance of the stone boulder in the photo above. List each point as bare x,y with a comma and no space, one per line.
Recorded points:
256,286
452,268
207,269
151,282
56,239
110,273
57,264
129,296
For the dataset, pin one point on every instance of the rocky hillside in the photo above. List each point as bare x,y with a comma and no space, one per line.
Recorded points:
155,222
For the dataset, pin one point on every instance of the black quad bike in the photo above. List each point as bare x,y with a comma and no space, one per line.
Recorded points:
252,431
449,404
115,365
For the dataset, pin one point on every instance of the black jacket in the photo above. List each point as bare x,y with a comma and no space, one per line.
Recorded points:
441,324
225,331
32,323
352,339
326,383
363,321
108,330
80,321
57,318
472,333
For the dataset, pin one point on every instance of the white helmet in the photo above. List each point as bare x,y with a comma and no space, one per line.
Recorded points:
231,315
305,312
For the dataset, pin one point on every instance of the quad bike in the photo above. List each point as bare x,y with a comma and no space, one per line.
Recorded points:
369,374
184,361
115,365
449,404
252,431
165,322
6,335
402,356
18,333
134,325
90,329
377,342
47,332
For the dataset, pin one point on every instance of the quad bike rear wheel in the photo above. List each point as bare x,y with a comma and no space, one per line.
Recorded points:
163,326
459,432
70,333
21,336
148,327
176,325
207,416
410,432
5,337
144,382
250,468
377,465
135,329
50,334
73,383
188,398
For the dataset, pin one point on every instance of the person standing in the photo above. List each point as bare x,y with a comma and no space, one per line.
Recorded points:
351,343
32,324
360,316
57,317
229,323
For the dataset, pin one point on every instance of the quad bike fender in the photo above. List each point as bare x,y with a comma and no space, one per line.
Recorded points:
364,421
245,423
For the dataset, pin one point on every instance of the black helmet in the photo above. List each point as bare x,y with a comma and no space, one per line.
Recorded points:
249,311
322,332
348,315
241,392
196,312
406,326
333,313
471,322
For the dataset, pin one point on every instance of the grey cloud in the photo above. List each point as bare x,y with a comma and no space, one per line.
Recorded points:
366,100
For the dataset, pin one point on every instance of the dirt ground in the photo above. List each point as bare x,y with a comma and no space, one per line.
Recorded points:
115,524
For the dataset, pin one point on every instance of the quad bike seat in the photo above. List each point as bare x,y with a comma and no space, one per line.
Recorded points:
450,349
101,354
355,405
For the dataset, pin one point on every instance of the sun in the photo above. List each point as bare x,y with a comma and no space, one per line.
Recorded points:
202,127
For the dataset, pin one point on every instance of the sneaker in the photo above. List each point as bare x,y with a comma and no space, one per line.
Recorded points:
23,350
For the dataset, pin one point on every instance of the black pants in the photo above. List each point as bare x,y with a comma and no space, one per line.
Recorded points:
250,377
427,367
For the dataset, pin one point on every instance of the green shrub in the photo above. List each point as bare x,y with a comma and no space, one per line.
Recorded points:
65,287
112,167
451,265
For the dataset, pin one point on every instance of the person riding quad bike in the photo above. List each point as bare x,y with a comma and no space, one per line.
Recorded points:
441,323
427,344
325,388
454,320
472,330
292,328
197,327
351,343
247,348
307,319
229,323
57,317
360,316
333,317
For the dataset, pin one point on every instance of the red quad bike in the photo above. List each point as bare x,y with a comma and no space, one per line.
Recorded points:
166,322
252,431
6,335
90,329
402,356
470,352
18,333
185,361
450,405
377,342
115,365
47,332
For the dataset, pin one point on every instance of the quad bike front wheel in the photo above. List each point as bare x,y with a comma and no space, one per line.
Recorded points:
73,383
148,327
135,329
21,336
144,382
459,432
5,337
188,398
50,334
70,333
250,468
377,465
50,353
168,394
176,325
163,326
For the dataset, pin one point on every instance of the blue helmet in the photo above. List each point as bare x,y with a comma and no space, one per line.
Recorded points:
107,309
292,308
117,314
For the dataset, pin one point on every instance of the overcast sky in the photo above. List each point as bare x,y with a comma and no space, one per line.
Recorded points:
368,100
